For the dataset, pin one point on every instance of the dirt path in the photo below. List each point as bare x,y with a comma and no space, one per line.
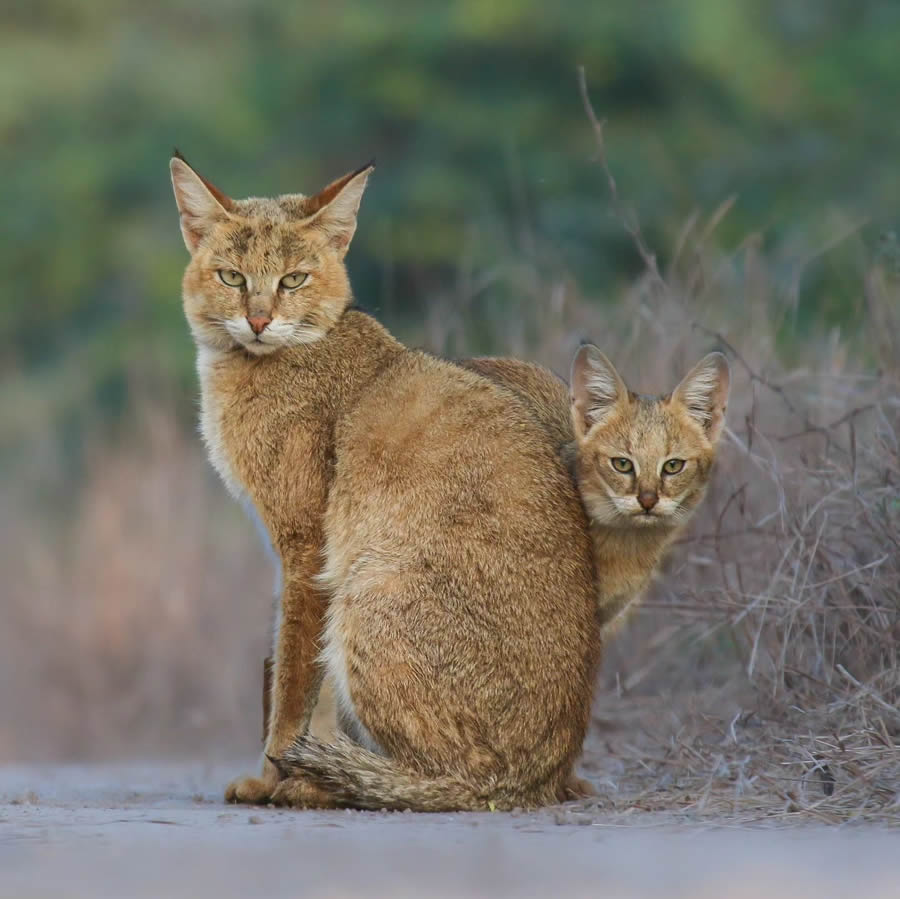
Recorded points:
162,830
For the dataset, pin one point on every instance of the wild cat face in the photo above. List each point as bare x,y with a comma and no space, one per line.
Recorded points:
265,273
645,461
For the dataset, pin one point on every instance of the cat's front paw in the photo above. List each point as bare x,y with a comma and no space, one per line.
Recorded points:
250,790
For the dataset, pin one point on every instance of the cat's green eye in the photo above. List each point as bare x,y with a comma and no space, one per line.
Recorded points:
293,280
622,465
231,277
673,466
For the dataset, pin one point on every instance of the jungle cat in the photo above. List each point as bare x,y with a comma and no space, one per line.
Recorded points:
436,556
641,463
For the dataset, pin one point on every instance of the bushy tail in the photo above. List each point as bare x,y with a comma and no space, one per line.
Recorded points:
358,778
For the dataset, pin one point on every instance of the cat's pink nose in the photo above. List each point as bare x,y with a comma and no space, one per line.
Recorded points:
648,499
258,323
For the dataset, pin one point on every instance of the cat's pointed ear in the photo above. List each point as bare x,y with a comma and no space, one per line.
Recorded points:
596,389
704,393
335,208
200,203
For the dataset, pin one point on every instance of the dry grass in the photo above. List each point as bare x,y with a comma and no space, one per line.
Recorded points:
791,579
759,681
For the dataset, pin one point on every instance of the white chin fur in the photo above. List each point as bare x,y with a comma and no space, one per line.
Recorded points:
625,512
278,334
260,348
644,521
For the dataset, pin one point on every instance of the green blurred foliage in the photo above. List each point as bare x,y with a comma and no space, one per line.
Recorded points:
473,113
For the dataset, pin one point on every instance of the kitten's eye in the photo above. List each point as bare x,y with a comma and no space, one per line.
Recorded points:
293,280
622,465
673,466
231,277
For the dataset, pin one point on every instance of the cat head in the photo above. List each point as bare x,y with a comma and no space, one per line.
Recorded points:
645,461
265,273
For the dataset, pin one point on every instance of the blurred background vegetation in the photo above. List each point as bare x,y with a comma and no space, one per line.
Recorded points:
781,114
472,111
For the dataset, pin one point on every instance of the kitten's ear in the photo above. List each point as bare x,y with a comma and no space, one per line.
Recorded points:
200,203
334,209
596,389
704,393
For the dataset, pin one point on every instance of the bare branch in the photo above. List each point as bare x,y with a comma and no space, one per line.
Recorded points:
628,219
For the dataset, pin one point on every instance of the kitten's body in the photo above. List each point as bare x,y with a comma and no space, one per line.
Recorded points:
455,610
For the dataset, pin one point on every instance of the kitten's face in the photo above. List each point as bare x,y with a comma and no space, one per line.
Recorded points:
644,462
264,273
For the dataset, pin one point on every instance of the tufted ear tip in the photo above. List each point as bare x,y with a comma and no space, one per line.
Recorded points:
595,386
200,203
704,393
335,208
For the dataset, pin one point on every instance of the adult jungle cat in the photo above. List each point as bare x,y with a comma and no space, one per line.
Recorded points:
455,607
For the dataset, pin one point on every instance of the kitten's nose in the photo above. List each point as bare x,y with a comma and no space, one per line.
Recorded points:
648,499
258,323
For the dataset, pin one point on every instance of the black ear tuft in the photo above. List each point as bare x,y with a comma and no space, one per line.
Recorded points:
177,154
369,165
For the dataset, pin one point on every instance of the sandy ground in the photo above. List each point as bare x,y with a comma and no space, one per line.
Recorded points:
162,830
